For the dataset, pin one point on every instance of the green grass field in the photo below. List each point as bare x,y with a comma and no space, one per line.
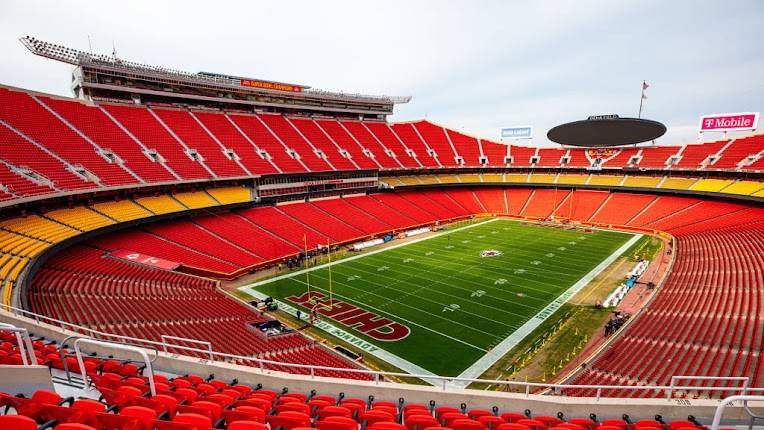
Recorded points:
457,304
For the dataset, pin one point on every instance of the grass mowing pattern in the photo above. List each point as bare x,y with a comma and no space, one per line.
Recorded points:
417,284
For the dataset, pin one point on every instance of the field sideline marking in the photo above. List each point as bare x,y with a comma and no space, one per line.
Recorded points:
406,365
369,347
489,359
382,311
250,287
387,356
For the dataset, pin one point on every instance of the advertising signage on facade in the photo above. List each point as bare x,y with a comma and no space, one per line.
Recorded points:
517,132
729,122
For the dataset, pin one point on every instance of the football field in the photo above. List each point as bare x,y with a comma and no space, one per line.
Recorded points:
444,302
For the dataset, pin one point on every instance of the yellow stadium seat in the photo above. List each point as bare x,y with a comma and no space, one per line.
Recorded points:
40,228
4,258
160,204
228,195
447,179
9,241
493,177
428,179
8,266
541,178
710,185
16,271
572,179
744,188
195,199
469,177
516,177
80,218
409,180
20,245
123,210
393,181
32,248
642,181
759,193
610,180
677,183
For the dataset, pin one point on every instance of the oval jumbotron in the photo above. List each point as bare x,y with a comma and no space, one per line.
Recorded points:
606,130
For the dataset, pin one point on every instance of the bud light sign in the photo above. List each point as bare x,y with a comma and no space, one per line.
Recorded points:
729,121
519,132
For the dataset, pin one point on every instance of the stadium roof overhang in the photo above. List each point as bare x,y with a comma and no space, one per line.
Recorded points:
138,71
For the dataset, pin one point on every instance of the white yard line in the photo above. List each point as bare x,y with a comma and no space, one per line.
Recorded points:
477,368
400,318
363,345
251,287
490,358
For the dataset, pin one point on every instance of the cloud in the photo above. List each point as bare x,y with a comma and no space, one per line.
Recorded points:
476,65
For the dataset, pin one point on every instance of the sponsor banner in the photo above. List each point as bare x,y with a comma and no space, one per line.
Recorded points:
517,132
729,121
270,85
144,259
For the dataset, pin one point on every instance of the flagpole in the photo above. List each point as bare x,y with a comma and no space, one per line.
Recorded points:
641,99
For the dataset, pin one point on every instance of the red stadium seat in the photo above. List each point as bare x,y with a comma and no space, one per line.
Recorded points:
372,416
491,422
17,422
73,426
337,423
513,426
143,414
466,424
419,422
247,425
384,425
200,421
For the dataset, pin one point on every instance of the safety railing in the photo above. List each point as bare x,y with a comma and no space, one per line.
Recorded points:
148,370
674,379
267,367
62,354
165,344
729,401
24,341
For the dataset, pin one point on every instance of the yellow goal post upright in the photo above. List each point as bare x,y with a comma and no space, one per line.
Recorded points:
318,303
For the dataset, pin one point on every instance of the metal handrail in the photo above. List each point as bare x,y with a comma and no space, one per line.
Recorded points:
62,355
443,381
185,339
676,378
148,370
24,341
728,401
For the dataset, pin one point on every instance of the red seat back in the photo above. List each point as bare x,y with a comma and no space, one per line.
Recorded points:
200,421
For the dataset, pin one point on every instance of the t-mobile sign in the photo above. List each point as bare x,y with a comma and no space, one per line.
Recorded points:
729,121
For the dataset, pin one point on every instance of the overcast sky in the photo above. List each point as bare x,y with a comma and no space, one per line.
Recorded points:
471,65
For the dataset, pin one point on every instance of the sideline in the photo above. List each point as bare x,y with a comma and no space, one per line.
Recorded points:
489,359
250,287
359,343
